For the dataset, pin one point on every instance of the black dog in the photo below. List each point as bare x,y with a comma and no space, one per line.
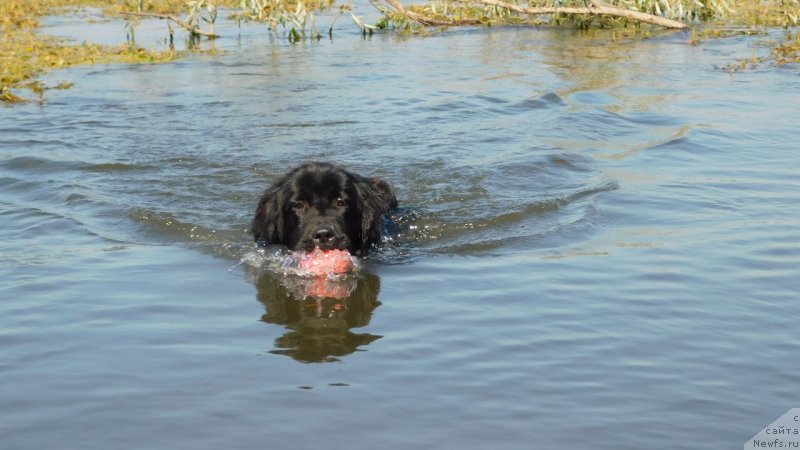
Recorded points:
325,206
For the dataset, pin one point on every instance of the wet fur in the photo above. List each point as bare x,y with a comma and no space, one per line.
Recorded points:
318,195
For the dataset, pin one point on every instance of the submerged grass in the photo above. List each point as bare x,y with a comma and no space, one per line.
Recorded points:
782,53
25,54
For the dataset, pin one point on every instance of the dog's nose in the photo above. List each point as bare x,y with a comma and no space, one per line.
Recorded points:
323,235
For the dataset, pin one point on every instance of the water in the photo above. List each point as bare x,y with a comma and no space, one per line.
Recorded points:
599,247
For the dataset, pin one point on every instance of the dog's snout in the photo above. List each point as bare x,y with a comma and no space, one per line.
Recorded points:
323,235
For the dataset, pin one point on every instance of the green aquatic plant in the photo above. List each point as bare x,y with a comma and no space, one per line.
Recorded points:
205,10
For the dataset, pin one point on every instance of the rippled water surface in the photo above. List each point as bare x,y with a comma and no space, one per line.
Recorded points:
599,247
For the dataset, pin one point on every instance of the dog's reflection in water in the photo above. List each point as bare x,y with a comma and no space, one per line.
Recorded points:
319,314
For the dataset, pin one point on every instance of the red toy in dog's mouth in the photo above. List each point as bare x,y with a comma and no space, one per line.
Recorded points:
325,262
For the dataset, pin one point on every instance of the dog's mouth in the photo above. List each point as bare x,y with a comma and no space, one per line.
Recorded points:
327,246
311,248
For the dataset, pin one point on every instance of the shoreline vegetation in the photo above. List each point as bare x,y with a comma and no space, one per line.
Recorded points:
26,54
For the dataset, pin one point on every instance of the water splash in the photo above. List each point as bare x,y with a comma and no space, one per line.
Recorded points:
286,262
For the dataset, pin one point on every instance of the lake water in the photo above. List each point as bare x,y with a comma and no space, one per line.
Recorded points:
600,246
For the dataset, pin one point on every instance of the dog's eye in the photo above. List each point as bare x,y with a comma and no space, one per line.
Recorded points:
339,203
299,205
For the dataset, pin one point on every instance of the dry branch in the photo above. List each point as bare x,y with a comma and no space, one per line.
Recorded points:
596,8
192,29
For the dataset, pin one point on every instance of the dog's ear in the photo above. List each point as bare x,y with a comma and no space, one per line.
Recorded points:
377,198
268,221
385,192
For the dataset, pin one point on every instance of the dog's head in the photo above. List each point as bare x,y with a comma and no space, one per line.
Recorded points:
322,205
